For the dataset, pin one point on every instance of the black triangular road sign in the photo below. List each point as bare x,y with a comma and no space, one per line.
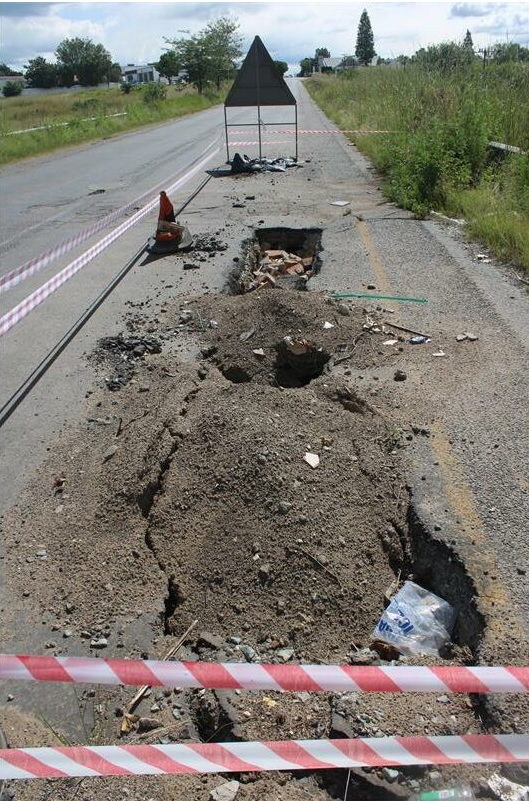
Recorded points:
258,81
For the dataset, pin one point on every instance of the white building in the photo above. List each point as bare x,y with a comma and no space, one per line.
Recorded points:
139,73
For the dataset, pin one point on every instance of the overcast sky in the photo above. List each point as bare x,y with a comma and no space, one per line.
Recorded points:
134,32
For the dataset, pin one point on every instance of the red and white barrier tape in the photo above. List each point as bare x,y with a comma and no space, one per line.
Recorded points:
254,676
139,760
14,277
256,142
13,316
304,131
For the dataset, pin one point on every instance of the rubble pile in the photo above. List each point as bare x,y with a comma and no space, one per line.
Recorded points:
275,264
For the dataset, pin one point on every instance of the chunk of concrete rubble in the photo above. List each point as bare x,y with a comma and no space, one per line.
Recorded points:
148,724
285,654
208,640
225,792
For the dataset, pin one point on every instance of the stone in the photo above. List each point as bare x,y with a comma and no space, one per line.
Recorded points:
148,724
390,774
225,792
248,652
443,699
67,633
208,640
400,375
110,453
471,337
344,309
285,654
100,642
144,388
69,608
434,776
284,507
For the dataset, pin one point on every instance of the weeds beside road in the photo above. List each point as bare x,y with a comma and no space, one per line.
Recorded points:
74,108
438,157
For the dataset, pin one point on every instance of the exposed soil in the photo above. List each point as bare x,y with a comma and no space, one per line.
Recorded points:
186,497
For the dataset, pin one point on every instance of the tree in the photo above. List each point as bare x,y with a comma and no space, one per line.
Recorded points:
5,70
12,88
467,41
224,45
88,62
40,73
282,66
193,54
114,73
322,52
209,55
503,52
168,65
305,66
365,43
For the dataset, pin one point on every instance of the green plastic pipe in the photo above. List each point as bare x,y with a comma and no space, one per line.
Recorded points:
377,297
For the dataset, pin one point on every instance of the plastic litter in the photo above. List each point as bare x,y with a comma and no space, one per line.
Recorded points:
416,621
419,340
506,790
245,164
328,325
447,794
340,203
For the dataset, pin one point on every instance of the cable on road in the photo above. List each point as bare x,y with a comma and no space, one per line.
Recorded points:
23,391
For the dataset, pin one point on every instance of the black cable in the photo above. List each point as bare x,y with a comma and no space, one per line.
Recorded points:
16,399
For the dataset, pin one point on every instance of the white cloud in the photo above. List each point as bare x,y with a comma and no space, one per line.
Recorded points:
25,38
473,9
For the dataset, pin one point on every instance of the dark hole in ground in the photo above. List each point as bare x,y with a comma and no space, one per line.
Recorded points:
294,369
281,257
173,600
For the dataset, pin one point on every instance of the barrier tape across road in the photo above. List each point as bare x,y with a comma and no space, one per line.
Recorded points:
138,760
14,277
254,676
13,316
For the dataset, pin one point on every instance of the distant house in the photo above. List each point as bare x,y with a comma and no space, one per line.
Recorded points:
8,78
139,73
332,65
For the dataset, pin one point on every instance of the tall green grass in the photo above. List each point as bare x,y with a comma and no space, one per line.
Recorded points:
50,110
438,156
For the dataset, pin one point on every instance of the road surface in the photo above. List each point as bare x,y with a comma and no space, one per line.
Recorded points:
470,475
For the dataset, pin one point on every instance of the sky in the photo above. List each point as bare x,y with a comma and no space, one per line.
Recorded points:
134,32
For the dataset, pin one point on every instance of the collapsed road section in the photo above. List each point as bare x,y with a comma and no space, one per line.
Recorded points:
264,515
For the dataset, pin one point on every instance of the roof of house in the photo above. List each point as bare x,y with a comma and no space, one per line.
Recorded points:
331,63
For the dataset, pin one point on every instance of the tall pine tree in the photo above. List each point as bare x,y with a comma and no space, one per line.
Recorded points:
365,45
467,41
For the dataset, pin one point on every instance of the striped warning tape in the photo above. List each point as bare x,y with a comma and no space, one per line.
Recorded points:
263,142
137,760
254,676
322,131
14,277
13,316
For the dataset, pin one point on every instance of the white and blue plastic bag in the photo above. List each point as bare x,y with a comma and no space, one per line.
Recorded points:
416,621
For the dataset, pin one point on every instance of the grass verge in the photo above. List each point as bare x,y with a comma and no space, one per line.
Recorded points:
76,109
438,157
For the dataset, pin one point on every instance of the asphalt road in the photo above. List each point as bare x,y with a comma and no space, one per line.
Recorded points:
475,466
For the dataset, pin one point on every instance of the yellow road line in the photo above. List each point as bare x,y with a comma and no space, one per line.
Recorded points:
381,277
480,559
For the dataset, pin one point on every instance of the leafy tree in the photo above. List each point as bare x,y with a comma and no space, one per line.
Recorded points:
503,52
209,55
89,62
40,73
5,70
168,65
114,73
12,88
193,54
224,44
282,66
365,43
306,66
322,52
467,41
445,57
